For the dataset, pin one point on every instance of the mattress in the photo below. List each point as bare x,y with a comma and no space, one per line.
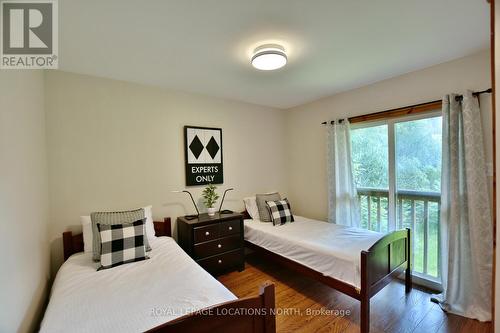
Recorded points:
328,248
133,297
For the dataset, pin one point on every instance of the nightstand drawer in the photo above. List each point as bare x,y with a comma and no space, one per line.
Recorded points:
203,234
221,245
215,242
222,262
229,228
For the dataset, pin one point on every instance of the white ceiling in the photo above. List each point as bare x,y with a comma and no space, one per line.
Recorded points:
204,46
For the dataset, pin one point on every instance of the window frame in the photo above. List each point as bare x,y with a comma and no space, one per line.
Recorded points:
418,278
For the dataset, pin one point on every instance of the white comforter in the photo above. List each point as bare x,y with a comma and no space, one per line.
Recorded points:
130,298
328,248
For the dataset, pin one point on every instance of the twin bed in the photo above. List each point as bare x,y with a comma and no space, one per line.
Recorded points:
354,261
167,293
171,293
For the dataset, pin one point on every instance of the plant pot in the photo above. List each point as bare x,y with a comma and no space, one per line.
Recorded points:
211,211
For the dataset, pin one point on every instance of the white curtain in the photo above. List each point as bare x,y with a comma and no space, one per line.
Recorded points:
343,206
466,224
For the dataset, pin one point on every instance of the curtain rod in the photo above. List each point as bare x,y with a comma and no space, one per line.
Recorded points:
421,105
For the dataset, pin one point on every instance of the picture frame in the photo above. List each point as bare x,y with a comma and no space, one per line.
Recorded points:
203,155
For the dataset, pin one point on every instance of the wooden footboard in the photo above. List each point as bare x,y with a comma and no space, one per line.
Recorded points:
381,263
245,315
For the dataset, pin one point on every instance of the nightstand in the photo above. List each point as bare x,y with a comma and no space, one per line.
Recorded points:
214,242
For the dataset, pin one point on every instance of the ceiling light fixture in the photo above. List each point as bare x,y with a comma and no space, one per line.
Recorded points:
269,57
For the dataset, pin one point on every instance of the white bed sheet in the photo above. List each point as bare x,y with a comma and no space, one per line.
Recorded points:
328,248
133,297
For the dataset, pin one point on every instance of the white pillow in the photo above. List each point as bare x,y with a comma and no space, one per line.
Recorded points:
150,227
87,228
87,233
251,207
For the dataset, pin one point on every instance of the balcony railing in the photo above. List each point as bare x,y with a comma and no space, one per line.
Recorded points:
419,211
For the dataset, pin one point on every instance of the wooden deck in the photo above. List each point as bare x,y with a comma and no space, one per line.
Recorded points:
303,305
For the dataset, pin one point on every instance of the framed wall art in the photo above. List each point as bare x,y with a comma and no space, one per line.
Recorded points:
203,155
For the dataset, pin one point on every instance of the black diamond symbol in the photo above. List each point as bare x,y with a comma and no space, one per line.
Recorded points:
196,146
212,147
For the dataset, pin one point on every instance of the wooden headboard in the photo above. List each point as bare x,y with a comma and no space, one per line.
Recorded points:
245,214
74,243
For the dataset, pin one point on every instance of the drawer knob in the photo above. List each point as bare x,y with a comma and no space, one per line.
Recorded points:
207,233
230,228
219,246
220,261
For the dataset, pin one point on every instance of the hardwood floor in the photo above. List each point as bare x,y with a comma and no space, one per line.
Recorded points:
303,305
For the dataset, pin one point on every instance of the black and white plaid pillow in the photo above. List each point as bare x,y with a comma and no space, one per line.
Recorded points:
122,243
122,217
280,211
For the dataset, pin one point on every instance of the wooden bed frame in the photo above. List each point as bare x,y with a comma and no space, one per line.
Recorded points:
245,315
380,264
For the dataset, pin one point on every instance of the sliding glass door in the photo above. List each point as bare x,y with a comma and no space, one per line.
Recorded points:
418,188
397,168
370,155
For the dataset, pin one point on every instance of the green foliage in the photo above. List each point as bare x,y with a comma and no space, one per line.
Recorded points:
370,156
418,155
210,196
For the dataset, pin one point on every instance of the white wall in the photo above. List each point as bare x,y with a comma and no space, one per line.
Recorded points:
24,246
306,151
117,145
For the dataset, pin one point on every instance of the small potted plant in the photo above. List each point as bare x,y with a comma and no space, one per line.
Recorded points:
210,198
